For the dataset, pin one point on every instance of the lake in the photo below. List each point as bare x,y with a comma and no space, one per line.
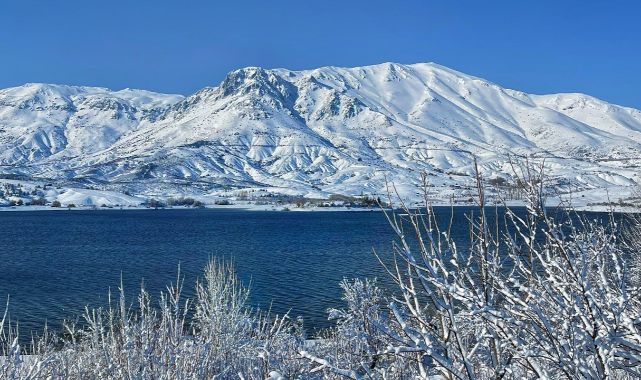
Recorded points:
53,263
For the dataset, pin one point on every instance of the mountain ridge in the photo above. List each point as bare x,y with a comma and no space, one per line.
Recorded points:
314,133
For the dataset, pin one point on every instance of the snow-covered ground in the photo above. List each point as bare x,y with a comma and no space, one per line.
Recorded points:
91,199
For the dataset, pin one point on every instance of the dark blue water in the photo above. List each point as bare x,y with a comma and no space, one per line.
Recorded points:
53,263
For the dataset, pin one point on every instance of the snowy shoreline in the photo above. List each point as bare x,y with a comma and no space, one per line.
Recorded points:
244,207
293,208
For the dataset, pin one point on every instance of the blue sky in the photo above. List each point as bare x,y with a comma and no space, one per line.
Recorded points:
181,46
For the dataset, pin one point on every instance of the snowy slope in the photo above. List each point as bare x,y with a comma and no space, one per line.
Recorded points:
316,132
38,121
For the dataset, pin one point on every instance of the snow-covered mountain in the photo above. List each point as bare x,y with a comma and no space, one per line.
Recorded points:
314,133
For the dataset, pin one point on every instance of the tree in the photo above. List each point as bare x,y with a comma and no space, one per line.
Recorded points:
56,203
38,202
154,203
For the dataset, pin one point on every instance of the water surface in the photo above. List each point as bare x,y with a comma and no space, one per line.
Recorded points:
53,263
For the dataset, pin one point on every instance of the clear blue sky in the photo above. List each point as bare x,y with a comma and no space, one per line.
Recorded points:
181,46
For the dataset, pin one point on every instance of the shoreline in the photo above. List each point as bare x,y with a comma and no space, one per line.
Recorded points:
244,207
293,208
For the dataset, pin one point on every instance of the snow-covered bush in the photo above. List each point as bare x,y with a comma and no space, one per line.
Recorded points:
549,297
632,241
353,347
224,340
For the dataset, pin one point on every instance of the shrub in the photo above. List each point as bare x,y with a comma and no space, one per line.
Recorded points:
182,202
154,203
38,202
226,339
55,203
555,299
